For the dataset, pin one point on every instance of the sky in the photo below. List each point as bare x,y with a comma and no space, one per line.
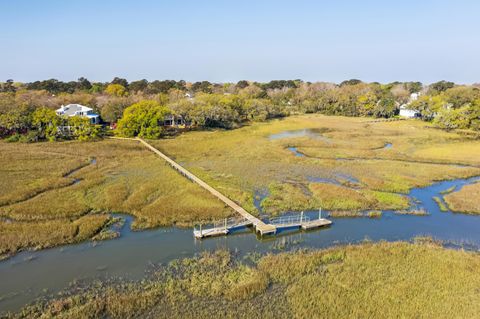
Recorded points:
228,41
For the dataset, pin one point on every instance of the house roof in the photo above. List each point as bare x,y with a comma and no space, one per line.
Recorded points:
72,109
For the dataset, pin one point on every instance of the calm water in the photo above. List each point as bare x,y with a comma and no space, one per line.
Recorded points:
31,274
300,133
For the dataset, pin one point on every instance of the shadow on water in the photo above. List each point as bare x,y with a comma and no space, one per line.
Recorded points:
31,274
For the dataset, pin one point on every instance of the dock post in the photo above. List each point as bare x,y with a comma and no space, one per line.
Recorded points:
301,217
225,224
320,213
200,230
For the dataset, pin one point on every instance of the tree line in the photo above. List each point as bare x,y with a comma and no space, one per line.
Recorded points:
229,105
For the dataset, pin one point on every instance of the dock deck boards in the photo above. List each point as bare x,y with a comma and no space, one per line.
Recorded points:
212,232
316,223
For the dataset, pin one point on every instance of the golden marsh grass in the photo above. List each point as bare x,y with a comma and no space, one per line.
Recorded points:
48,192
466,200
350,151
363,281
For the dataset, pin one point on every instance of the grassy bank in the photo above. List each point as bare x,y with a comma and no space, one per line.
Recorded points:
383,280
466,200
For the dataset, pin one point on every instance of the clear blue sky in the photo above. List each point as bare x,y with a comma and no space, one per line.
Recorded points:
232,40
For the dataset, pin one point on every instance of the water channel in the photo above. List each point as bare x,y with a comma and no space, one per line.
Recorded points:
31,274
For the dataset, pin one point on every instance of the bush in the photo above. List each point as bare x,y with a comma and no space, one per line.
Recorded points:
30,137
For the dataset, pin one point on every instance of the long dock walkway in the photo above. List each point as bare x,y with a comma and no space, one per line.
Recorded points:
259,225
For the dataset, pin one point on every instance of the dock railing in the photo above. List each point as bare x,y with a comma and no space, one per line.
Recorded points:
225,225
290,220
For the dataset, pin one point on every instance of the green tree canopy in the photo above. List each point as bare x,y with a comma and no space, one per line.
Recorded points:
46,122
81,129
116,90
143,119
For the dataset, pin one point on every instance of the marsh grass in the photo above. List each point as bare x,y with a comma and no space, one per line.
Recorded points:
415,212
240,161
440,204
375,214
56,183
15,236
55,187
345,213
448,190
466,200
371,280
355,214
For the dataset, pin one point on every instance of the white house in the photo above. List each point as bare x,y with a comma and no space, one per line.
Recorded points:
79,110
406,111
414,96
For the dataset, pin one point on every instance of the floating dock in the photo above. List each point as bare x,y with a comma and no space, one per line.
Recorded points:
315,223
226,226
299,221
223,228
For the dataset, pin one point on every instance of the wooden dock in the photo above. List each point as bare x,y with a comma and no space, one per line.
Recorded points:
259,225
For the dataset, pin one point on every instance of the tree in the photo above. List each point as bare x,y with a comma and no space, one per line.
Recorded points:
122,82
453,118
157,87
428,106
53,86
81,129
112,110
46,122
8,86
385,107
440,86
116,90
474,115
97,87
217,110
143,119
279,84
461,95
242,84
84,84
401,93
15,121
204,86
367,103
413,87
138,86
350,82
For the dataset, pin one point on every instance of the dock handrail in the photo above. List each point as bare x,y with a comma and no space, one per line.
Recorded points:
290,220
